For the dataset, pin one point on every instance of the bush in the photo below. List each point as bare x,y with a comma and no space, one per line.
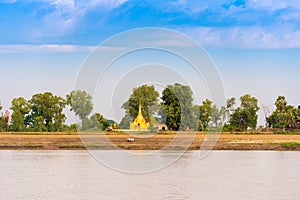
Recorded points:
73,127
228,128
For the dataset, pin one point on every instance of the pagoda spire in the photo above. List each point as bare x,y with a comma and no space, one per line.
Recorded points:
140,108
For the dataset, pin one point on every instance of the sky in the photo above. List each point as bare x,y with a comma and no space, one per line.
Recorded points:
255,45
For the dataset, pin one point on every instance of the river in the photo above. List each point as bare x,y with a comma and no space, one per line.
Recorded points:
230,175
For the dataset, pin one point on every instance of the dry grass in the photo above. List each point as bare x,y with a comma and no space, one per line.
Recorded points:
226,141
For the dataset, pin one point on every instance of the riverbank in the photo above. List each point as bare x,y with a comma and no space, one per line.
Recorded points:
110,140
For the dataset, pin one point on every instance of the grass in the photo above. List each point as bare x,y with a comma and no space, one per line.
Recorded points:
121,146
39,133
32,145
25,145
245,133
72,146
94,145
290,144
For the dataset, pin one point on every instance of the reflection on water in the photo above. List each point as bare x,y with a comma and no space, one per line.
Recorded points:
221,175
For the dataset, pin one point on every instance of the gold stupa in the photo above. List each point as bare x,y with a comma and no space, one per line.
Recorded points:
139,122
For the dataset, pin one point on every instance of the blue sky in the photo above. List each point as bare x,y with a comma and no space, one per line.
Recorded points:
221,23
255,44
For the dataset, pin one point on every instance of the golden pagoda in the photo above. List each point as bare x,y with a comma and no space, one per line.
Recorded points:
139,122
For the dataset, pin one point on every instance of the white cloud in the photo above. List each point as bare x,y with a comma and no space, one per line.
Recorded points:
107,3
81,6
267,4
273,4
167,43
158,39
54,48
67,13
246,37
45,48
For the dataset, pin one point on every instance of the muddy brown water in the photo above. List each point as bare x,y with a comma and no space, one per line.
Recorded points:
64,174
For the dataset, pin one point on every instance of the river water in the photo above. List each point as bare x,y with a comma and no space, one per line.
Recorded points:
230,175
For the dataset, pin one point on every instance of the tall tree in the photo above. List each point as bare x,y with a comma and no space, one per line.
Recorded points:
229,108
281,103
266,111
48,108
177,106
284,116
171,109
245,116
80,103
145,95
217,116
205,113
21,108
2,120
2,124
298,117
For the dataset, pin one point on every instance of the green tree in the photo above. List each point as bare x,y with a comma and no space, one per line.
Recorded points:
281,103
2,124
125,122
80,103
245,116
21,108
177,107
96,121
87,124
38,124
2,120
284,116
298,117
99,121
48,108
145,95
205,113
171,109
229,108
217,116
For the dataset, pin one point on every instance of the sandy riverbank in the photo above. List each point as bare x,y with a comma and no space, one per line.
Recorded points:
72,141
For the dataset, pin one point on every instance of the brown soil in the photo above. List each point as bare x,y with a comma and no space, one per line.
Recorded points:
72,141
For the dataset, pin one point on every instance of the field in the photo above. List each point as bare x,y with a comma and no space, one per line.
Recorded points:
169,140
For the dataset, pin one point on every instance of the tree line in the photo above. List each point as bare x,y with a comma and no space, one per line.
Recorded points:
175,108
44,112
